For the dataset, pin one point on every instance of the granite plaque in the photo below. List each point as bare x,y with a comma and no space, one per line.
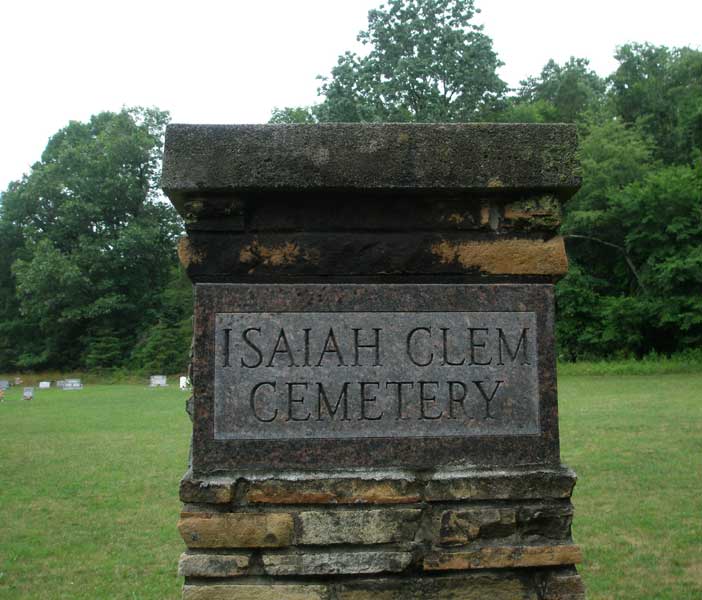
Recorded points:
305,375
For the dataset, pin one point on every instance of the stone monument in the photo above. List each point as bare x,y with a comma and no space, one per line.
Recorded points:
374,386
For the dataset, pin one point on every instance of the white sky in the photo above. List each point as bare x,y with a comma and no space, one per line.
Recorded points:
217,61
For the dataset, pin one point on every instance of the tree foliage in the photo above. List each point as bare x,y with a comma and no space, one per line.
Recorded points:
90,243
660,89
425,61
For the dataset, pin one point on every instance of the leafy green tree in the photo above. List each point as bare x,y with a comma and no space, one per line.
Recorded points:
660,89
571,89
93,243
164,347
426,61
290,114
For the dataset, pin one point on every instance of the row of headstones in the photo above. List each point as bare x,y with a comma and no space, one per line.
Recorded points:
77,384
162,381
64,384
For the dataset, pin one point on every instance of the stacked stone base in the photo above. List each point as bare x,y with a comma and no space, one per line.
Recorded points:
392,535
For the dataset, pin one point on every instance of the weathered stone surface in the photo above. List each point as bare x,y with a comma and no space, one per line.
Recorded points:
336,563
367,212
209,491
213,565
333,491
374,526
236,530
473,586
476,157
259,256
463,526
211,454
503,557
540,213
546,520
263,591
506,256
564,586
501,485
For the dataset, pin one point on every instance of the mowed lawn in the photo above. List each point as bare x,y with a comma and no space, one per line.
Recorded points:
89,479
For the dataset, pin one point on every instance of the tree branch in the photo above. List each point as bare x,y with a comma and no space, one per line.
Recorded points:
611,245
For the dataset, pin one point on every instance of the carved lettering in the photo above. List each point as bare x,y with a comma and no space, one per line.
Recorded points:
351,374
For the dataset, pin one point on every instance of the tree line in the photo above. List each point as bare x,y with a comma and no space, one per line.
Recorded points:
88,270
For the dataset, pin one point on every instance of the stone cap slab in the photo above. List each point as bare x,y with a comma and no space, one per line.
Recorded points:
357,157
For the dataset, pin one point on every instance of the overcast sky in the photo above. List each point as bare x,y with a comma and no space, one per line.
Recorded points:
209,61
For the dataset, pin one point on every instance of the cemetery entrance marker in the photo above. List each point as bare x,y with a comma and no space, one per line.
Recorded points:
374,388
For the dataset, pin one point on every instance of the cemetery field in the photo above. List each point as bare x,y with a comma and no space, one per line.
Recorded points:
89,479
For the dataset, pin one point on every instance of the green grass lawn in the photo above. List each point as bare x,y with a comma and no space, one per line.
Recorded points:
89,479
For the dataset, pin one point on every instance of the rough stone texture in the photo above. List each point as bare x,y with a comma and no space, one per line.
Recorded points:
532,214
473,586
333,491
467,525
336,563
501,485
211,491
369,526
505,257
236,530
212,455
564,586
282,256
503,557
263,591
546,520
213,565
479,157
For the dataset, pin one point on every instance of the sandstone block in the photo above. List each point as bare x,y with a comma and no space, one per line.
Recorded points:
336,563
503,557
547,520
502,586
211,491
236,530
358,526
255,592
333,491
501,485
506,256
565,586
464,526
213,565
542,213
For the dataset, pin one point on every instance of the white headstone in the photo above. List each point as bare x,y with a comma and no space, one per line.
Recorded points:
60,384
157,381
4,384
28,393
72,384
183,382
44,385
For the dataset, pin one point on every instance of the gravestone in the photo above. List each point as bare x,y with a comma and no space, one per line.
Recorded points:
183,383
28,393
61,383
4,384
374,386
72,384
44,385
157,381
